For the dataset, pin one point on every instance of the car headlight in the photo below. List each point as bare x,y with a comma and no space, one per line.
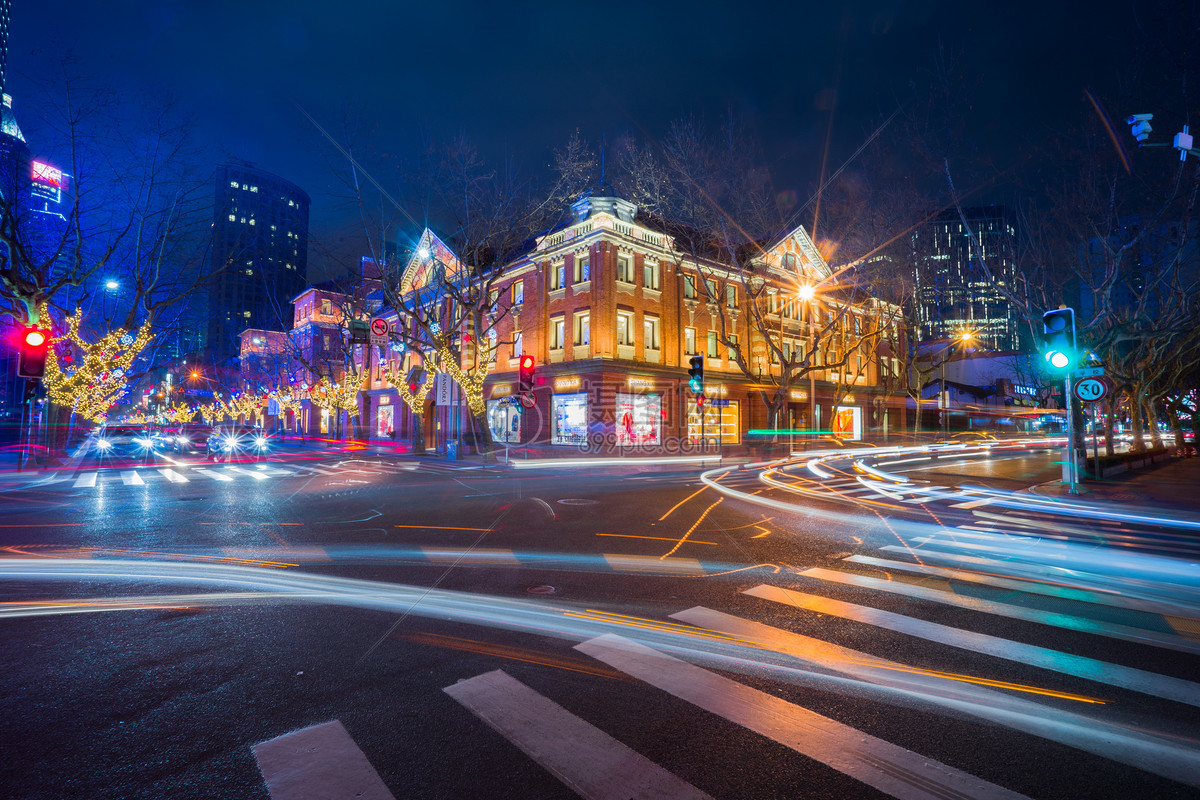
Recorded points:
103,444
260,441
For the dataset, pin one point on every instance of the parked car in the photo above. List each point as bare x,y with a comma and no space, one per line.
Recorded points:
235,440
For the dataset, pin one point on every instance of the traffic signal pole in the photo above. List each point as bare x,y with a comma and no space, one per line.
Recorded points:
1072,470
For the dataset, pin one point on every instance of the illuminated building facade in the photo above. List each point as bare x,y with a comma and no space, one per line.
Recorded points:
259,256
612,313
953,292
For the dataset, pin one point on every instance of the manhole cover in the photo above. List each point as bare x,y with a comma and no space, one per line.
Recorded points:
578,501
541,590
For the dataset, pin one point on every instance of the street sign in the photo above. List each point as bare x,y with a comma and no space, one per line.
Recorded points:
719,403
527,400
441,389
1090,372
1089,390
379,331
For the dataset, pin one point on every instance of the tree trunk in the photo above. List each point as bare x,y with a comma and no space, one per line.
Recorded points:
483,438
1135,422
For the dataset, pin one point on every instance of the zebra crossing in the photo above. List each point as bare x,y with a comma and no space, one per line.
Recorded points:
1068,706
248,472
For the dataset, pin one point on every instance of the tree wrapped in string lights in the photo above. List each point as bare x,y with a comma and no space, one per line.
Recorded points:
181,414
414,400
94,375
340,396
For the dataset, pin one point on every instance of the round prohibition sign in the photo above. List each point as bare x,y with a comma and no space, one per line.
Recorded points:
1089,390
379,327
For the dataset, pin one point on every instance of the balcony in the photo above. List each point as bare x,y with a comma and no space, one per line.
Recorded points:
625,286
653,356
580,287
581,351
625,351
557,355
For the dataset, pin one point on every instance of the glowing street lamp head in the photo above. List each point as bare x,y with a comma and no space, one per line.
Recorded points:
806,292
967,336
111,284
423,253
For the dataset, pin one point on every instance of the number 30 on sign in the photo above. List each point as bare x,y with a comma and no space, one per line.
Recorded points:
1090,390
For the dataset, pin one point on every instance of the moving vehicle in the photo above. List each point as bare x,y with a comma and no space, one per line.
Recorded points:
236,440
122,439
189,438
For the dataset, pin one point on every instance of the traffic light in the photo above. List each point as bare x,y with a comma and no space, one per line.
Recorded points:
525,379
35,342
1059,328
696,375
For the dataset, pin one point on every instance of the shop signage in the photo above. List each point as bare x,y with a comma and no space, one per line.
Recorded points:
384,400
502,390
644,383
441,389
799,395
561,384
719,403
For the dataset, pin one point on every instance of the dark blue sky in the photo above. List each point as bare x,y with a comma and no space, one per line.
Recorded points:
519,77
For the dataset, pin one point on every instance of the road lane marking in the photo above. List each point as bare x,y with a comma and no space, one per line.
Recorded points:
974,503
589,761
87,480
481,555
1136,680
887,767
173,476
318,761
623,563
131,478
1112,630
256,474
213,474
1030,586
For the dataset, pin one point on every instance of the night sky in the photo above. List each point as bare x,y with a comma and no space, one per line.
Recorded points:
519,77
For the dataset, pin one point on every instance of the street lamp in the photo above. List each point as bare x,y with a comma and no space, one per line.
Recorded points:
111,284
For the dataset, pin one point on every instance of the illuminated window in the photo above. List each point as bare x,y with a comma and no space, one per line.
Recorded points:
689,341
518,293
712,344
732,347
556,276
582,269
254,188
233,217
557,325
517,344
233,184
246,314
251,220
625,328
730,296
689,287
650,327
625,269
249,272
650,275
326,307
712,289
583,327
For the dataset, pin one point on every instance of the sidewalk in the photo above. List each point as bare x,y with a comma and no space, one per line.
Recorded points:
1173,485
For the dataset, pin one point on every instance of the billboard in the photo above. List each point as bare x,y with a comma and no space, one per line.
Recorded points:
48,181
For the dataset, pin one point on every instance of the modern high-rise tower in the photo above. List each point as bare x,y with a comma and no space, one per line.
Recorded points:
962,273
259,258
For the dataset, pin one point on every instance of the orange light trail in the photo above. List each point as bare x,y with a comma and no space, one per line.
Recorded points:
689,531
684,500
656,538
439,528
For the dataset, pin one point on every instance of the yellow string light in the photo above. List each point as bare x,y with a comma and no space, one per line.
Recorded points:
100,377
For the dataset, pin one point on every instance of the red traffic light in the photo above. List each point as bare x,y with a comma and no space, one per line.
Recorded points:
31,361
526,362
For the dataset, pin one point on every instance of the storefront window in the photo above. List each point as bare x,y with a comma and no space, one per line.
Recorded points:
847,422
384,425
569,418
722,422
505,421
639,419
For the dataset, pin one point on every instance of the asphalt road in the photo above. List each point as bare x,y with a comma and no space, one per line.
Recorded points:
163,620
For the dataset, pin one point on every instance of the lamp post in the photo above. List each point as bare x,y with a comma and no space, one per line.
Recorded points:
944,406
806,293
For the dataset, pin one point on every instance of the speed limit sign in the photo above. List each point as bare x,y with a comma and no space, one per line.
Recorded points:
1090,390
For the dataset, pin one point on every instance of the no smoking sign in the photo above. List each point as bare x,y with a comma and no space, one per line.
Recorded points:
1090,390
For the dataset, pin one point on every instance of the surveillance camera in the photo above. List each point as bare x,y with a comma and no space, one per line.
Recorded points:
1140,126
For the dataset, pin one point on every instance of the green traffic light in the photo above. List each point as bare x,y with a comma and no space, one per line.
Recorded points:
1059,360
